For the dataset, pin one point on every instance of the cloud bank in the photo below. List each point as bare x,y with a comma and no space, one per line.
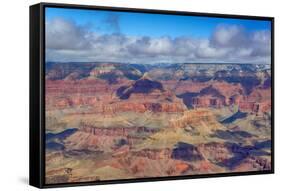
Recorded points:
66,41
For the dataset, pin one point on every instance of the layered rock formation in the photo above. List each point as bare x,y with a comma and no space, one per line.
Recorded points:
108,121
198,118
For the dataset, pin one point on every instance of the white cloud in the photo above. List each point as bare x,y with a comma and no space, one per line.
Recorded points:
62,34
224,36
67,41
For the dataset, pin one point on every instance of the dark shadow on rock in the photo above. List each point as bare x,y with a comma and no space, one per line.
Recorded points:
186,152
240,153
237,115
232,135
140,86
62,135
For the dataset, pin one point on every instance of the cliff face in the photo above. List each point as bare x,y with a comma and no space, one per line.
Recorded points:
259,101
68,93
144,107
197,118
140,96
217,152
154,154
255,163
220,95
117,131
145,94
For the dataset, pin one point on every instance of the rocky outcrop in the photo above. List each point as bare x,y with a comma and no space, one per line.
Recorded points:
259,101
207,101
206,97
215,152
116,131
141,86
154,154
142,107
201,119
253,163
64,94
145,96
218,95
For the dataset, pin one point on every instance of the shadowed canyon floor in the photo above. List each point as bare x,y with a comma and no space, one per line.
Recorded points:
107,121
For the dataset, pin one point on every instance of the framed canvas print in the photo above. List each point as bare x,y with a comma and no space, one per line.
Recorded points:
130,95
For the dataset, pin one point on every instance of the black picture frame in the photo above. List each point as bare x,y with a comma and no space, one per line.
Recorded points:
37,94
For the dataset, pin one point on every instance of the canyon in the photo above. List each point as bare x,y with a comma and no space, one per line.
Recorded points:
108,121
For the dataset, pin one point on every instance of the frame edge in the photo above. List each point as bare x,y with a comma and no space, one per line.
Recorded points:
35,178
37,61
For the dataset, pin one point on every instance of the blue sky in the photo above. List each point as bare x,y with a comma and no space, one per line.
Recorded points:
112,36
153,25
